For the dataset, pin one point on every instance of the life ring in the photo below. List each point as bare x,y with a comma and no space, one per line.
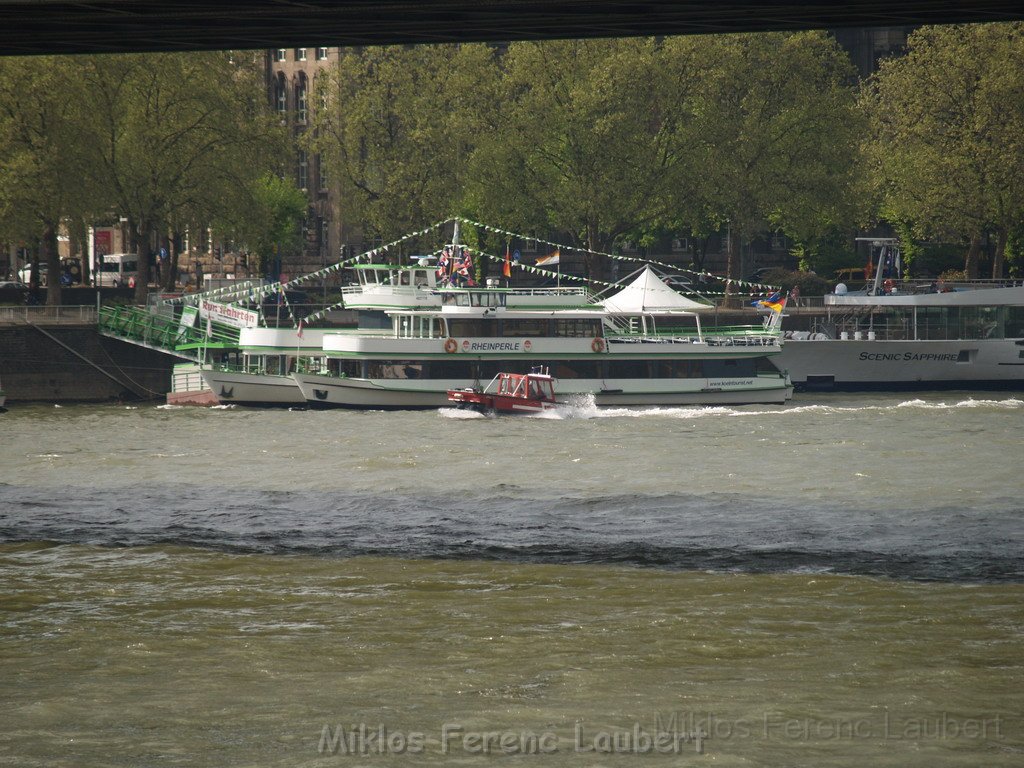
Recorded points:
451,345
597,344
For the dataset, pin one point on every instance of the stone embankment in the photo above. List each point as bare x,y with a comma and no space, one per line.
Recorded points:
57,355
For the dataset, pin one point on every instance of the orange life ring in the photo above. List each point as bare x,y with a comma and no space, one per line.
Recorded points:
451,345
597,344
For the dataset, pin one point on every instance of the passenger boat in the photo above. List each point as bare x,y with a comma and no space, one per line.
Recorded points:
510,393
642,346
258,372
905,334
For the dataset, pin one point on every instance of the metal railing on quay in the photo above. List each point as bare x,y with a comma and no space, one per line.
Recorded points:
46,314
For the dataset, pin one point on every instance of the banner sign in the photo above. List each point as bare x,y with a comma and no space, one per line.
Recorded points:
188,320
228,315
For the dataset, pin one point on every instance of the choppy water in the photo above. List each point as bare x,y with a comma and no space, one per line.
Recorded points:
834,582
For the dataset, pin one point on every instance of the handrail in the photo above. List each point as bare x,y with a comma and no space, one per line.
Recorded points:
138,324
71,313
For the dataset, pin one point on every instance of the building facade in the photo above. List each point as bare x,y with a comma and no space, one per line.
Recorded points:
291,78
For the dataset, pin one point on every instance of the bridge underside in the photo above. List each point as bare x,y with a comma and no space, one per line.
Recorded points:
100,26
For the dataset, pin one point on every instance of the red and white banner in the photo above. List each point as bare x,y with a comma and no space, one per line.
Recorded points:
228,315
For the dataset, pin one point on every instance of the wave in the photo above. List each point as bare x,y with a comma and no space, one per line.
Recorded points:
719,532
577,410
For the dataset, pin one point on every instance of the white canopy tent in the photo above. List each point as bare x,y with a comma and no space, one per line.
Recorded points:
647,296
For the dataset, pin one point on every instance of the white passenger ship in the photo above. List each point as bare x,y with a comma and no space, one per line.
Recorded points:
630,350
259,373
903,334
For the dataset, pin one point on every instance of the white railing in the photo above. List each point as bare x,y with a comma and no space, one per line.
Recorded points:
82,314
187,381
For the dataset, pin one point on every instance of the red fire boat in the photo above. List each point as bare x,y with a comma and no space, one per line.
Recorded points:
531,392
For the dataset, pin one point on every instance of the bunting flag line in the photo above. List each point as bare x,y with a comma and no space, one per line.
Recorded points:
458,265
619,257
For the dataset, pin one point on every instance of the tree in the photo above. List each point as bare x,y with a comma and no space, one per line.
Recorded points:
778,132
40,155
278,207
585,142
949,134
396,128
173,137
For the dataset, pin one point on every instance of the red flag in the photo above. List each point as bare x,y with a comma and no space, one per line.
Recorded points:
506,269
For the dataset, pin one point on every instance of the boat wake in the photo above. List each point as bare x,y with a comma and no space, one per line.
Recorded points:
460,413
586,409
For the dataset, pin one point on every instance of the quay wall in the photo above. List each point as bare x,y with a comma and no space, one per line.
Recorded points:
36,368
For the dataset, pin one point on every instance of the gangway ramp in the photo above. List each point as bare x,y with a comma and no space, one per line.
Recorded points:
139,326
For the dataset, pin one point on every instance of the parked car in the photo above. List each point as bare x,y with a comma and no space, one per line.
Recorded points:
25,274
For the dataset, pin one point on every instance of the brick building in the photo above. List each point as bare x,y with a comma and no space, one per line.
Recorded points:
291,76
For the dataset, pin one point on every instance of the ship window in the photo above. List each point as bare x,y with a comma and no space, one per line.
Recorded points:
575,328
394,370
467,328
523,328
730,368
627,369
576,369
449,369
677,369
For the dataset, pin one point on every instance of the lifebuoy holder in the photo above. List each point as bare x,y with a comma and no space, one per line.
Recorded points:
450,345
597,344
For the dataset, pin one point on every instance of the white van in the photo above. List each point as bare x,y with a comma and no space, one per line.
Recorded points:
117,269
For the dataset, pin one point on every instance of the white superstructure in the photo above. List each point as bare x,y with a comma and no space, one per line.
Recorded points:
907,334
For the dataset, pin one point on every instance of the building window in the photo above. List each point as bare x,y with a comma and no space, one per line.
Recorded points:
280,95
280,54
324,232
303,170
321,54
321,168
300,98
300,54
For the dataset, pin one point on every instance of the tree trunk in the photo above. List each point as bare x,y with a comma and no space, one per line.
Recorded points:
49,254
973,254
597,265
173,247
733,268
144,252
999,260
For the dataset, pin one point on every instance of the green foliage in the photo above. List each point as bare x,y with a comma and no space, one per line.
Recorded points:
41,110
809,283
577,146
397,129
277,210
778,130
173,138
948,119
826,253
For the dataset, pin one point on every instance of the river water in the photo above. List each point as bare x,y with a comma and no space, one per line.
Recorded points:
836,582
